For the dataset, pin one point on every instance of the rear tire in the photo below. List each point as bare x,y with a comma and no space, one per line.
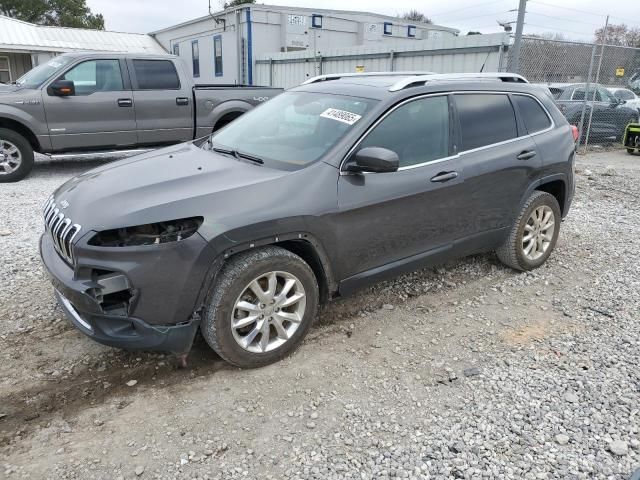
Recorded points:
534,234
16,156
251,319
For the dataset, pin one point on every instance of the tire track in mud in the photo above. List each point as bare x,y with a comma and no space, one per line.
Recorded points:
36,404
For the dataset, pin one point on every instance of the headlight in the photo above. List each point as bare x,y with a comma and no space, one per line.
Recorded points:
149,234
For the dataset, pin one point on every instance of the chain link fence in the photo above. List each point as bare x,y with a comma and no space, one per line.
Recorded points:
596,87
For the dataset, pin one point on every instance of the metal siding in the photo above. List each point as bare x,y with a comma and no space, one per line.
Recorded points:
17,35
441,55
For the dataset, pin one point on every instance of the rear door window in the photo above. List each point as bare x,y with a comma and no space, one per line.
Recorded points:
156,75
485,119
534,116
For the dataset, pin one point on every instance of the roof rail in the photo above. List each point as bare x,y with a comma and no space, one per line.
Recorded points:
338,76
422,79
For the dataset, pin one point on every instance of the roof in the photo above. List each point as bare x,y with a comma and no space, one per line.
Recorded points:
324,11
22,36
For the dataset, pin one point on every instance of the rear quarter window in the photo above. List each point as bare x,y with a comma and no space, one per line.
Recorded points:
485,119
533,115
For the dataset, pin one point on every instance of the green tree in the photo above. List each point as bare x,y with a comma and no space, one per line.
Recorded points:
416,16
235,3
62,13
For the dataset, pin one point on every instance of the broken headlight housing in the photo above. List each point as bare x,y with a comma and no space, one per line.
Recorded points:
149,234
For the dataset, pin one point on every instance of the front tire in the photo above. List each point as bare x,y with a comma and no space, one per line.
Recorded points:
16,156
534,234
261,307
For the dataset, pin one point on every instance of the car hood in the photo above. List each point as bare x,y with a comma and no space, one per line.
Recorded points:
167,184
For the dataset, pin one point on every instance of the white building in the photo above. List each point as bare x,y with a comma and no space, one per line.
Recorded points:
221,48
24,45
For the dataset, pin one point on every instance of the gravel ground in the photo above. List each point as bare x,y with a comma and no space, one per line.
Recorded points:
468,371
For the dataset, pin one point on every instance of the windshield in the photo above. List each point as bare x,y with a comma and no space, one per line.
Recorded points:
295,128
38,75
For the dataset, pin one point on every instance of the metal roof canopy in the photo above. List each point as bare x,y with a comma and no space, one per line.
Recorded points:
19,36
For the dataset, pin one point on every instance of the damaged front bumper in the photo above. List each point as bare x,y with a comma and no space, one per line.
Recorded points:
105,296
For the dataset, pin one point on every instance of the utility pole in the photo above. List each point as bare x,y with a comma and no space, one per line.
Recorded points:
515,57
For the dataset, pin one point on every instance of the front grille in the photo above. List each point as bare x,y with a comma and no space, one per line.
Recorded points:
61,229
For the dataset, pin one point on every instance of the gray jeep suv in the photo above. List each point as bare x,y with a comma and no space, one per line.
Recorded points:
340,182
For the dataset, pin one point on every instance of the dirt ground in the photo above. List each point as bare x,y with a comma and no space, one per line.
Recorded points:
406,359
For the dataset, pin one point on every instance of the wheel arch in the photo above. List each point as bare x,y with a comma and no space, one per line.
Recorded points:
22,129
555,185
227,112
303,244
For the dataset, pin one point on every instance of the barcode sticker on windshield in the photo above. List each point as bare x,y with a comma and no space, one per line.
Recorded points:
341,116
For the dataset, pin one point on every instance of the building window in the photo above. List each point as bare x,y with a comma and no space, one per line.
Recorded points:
176,49
217,55
316,21
388,28
5,70
195,57
411,31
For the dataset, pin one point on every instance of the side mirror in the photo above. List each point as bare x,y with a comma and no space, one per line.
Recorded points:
374,159
62,88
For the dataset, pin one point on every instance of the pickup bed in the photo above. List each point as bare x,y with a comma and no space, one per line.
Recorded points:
98,104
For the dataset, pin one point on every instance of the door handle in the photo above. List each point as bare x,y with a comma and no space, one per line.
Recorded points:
125,102
444,177
526,155
182,101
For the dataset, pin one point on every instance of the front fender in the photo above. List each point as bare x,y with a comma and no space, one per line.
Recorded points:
225,248
32,120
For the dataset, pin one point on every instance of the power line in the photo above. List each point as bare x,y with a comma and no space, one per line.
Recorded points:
586,12
479,16
563,30
599,25
465,8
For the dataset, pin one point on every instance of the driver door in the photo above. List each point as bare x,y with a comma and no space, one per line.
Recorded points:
101,113
387,218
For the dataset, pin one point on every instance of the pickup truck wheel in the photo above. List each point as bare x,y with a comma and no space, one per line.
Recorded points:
261,307
534,234
16,156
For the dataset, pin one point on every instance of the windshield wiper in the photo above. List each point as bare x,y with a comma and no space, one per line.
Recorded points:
237,154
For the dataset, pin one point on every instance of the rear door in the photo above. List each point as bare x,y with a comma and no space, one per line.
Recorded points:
499,159
99,115
163,104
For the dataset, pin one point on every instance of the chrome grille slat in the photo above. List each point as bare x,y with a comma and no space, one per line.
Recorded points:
62,230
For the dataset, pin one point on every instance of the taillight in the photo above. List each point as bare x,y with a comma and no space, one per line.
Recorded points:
575,132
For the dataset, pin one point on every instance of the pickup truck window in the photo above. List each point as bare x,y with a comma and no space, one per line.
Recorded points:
96,76
156,75
40,74
295,128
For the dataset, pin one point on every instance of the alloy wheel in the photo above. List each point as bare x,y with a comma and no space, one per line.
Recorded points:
538,232
268,312
10,157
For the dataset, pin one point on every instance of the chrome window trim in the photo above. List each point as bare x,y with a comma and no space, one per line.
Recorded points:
389,112
457,155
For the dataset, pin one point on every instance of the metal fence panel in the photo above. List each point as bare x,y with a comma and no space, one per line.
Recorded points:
594,86
471,53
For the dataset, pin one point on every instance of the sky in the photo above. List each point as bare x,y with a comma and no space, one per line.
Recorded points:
575,19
